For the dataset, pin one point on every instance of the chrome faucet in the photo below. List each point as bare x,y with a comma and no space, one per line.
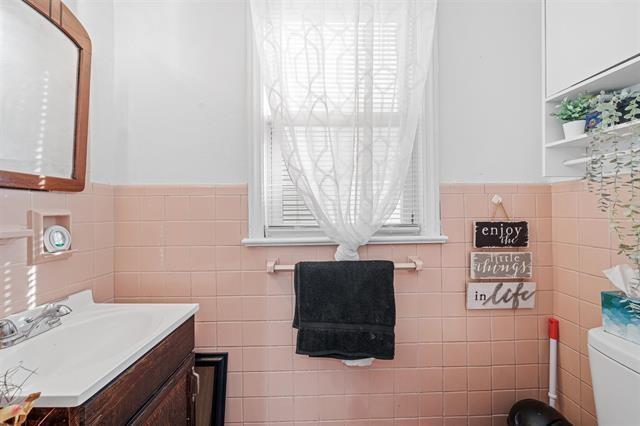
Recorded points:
15,331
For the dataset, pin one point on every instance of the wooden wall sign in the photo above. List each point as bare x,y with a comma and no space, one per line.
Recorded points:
500,234
499,295
501,265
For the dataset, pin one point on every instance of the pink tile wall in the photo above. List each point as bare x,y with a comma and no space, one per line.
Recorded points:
90,268
182,243
452,366
582,248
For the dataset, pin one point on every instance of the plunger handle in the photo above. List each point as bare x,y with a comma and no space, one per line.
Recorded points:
554,334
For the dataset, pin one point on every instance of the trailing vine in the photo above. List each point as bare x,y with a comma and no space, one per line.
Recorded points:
613,171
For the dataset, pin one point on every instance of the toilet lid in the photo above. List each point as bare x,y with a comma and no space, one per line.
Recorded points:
623,351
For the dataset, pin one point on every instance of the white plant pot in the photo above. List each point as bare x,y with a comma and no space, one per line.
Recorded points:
574,129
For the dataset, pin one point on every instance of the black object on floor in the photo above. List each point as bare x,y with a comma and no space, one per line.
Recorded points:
211,396
531,412
345,310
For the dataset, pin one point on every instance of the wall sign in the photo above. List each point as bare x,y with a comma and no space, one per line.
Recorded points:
499,295
501,265
501,234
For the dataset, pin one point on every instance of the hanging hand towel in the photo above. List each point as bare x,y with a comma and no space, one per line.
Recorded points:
345,310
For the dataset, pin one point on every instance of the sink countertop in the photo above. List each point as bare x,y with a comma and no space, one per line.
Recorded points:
95,343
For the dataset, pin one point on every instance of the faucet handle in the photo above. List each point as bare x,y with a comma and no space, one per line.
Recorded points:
8,329
56,309
61,310
50,310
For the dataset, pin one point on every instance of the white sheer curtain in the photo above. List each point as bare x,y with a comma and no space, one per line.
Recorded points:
345,83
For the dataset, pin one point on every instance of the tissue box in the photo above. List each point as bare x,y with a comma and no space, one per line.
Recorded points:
621,315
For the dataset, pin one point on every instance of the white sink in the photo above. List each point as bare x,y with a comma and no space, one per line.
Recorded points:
95,343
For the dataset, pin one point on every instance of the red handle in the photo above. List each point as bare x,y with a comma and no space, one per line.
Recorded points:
554,328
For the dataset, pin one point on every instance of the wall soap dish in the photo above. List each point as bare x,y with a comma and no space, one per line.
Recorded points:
39,221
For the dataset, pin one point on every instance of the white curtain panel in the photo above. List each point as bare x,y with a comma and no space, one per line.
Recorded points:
345,82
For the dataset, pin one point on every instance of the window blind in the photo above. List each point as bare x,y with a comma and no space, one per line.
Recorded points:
285,209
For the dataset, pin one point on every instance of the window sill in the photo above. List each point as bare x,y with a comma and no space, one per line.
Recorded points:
324,241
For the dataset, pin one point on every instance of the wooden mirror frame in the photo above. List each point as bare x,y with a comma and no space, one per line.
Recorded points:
60,16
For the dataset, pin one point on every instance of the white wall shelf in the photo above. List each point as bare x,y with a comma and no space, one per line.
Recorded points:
567,157
577,162
576,142
8,234
582,141
584,160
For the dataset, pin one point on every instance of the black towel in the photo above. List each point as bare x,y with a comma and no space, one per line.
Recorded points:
345,310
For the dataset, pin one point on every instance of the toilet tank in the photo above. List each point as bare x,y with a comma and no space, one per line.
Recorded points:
615,372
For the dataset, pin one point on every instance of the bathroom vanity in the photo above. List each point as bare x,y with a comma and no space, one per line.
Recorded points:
111,364
157,389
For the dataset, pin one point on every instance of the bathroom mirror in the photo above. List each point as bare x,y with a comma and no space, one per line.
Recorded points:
45,60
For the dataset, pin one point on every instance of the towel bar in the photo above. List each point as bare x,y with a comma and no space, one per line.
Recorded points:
414,263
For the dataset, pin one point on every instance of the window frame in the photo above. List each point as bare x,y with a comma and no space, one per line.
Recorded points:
430,231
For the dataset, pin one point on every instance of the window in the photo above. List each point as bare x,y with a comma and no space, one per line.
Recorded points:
279,215
286,213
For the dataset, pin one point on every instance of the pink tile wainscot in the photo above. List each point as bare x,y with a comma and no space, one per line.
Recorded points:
182,243
90,268
582,248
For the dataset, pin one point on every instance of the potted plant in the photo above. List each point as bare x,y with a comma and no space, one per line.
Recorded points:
572,113
612,108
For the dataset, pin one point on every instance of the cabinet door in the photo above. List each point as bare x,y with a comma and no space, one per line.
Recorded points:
172,405
586,37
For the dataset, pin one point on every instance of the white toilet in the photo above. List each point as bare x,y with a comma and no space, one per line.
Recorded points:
615,371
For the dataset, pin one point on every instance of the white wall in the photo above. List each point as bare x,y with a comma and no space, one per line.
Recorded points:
97,18
181,97
490,91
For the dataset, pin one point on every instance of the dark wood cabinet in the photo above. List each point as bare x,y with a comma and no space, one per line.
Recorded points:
156,390
173,403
